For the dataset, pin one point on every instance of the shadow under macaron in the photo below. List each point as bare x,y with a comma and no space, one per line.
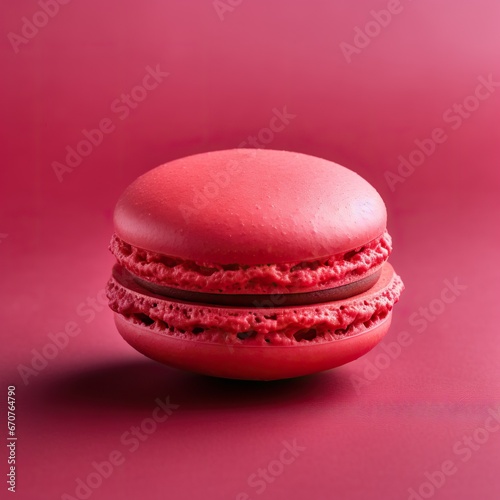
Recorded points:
136,384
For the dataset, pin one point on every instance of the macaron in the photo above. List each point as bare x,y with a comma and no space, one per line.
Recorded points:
252,264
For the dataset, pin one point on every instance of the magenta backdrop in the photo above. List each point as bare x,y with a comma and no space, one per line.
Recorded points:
405,93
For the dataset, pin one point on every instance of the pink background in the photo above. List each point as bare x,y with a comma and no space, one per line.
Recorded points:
375,439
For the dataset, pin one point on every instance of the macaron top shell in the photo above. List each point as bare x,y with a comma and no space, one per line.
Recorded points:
248,206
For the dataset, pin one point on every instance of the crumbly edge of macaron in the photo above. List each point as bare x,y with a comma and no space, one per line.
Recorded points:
257,327
292,277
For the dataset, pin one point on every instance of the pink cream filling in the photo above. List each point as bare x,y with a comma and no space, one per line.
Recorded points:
291,277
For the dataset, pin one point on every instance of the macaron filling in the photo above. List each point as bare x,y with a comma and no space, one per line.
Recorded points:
264,300
283,326
293,277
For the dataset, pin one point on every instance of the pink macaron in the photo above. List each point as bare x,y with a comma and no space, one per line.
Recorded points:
252,264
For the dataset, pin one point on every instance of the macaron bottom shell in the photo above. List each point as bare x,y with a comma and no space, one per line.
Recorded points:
246,362
252,343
